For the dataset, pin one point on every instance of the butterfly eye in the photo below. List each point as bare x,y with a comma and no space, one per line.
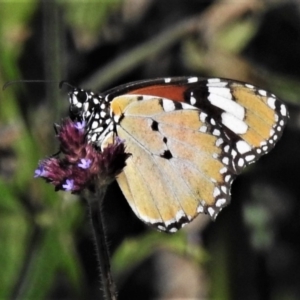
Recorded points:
81,96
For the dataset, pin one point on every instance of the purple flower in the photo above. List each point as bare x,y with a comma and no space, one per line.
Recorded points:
69,185
40,171
118,140
84,163
80,160
80,125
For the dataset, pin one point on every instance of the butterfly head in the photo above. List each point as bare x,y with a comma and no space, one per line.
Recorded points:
79,103
94,109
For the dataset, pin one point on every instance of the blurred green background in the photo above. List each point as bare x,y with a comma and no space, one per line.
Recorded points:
251,252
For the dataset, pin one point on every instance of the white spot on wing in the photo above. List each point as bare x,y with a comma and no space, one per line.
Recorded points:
85,106
214,80
200,209
227,105
250,157
221,91
216,132
180,214
192,79
168,105
203,116
233,153
162,228
170,222
225,160
283,110
216,192
211,211
203,129
227,178
193,100
271,102
262,93
241,162
95,124
188,106
218,84
99,129
224,189
220,202
223,170
243,147
219,142
234,124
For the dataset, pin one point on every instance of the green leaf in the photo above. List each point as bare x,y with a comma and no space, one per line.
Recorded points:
134,250
14,231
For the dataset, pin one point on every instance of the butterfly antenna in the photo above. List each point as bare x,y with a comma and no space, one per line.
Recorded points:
9,83
66,83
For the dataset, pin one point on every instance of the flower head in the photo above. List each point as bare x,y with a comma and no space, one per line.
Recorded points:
79,164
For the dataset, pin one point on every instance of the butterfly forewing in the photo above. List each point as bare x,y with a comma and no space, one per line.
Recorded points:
188,138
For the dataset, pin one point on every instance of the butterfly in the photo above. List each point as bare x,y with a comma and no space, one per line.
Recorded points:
188,137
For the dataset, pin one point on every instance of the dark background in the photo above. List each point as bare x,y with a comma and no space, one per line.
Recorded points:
251,252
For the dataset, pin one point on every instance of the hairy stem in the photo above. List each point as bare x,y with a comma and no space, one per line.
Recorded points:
98,227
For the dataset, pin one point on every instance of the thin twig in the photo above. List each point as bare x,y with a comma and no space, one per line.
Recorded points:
29,262
204,24
103,258
134,57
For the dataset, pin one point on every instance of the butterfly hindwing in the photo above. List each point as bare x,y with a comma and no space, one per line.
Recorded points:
175,170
